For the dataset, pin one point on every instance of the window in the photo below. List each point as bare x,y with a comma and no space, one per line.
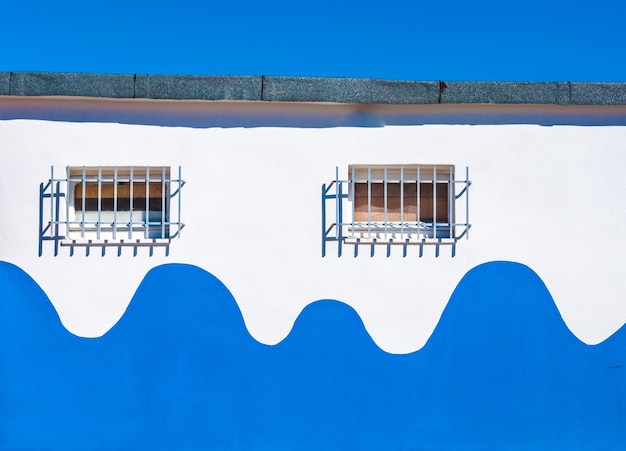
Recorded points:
124,199
410,198
396,204
112,205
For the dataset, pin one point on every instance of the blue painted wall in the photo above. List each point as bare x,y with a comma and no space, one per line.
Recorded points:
180,371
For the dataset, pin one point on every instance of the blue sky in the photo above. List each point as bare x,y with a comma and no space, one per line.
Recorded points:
551,40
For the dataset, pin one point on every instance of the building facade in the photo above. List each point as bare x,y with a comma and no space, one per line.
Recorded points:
283,262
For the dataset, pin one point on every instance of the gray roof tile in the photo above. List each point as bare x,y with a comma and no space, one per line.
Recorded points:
5,83
191,87
505,92
349,90
598,93
72,84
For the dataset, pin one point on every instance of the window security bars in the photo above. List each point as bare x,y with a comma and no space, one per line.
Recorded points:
111,206
396,205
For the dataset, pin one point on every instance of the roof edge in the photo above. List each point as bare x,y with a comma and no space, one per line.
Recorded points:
308,89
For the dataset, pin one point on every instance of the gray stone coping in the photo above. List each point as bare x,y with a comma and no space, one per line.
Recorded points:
71,84
308,89
349,90
5,83
191,87
506,93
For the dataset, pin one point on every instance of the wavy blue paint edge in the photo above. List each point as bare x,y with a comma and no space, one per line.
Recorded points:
180,370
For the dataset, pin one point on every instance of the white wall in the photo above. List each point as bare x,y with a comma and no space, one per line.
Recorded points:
549,197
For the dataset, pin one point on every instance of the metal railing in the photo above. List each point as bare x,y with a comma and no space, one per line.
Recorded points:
400,228
101,206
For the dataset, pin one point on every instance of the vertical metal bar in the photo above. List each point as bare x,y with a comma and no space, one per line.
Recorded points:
84,188
418,213
339,192
385,200
353,198
338,199
41,233
369,203
163,202
435,202
180,185
54,212
114,202
52,201
99,200
450,200
67,203
147,220
323,220
467,202
130,226
402,203
57,213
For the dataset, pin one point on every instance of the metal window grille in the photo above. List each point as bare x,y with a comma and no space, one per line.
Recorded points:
111,205
396,205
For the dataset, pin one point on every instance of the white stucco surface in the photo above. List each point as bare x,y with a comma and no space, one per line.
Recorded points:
550,197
